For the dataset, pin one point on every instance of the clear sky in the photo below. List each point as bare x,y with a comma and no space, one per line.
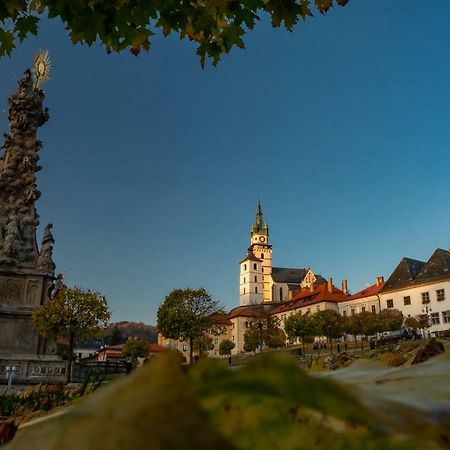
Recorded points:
152,167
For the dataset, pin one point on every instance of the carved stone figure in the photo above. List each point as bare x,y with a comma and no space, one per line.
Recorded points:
45,260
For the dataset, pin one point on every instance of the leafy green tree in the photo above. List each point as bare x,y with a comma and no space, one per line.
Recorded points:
252,339
188,314
202,344
365,324
300,326
73,314
136,348
391,319
225,347
328,323
216,26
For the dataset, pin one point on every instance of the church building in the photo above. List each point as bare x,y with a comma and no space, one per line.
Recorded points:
259,281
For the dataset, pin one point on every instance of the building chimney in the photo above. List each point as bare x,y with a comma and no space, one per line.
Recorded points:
330,285
380,281
344,287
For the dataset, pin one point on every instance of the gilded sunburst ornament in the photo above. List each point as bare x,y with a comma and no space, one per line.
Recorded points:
41,68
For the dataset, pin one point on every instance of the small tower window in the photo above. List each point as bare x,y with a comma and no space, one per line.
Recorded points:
281,294
256,289
262,255
244,279
256,279
255,266
245,266
244,290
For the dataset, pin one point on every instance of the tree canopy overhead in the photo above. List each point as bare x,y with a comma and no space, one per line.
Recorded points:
215,25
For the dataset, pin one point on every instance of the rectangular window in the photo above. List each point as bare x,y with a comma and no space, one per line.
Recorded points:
374,309
352,311
255,266
363,309
184,347
446,316
256,279
344,313
425,297
390,303
256,289
435,319
440,294
407,300
176,346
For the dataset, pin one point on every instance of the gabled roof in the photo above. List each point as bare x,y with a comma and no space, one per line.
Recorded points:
410,272
437,267
260,310
404,274
306,297
285,275
250,257
367,292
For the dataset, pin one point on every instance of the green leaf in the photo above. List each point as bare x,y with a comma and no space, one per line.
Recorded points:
6,42
25,25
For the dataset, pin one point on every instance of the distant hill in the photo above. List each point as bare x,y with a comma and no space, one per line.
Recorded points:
124,331
137,329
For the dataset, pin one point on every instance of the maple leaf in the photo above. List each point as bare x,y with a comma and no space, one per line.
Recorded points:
25,25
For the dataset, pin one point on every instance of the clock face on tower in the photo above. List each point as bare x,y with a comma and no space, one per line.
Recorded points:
262,239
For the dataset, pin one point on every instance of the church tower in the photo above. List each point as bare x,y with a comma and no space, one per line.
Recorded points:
251,280
259,246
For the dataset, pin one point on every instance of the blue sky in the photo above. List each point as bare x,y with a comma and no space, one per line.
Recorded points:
153,166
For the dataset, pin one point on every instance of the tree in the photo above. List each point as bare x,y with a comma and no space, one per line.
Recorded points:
136,348
252,339
328,323
273,335
188,314
225,347
73,314
202,344
301,326
216,26
390,320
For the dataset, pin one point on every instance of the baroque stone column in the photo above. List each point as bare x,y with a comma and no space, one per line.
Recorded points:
26,271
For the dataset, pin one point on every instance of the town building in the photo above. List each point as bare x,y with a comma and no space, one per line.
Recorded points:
415,288
419,288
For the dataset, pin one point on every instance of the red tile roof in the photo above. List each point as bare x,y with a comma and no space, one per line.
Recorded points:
367,292
249,311
306,297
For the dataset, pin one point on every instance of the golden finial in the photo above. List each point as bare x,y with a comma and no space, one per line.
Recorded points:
41,68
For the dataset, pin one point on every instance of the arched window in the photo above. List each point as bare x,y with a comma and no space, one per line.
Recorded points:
281,294
262,255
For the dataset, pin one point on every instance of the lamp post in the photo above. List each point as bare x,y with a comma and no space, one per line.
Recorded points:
427,311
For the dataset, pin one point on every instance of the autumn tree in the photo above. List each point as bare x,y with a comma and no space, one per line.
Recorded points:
73,314
135,348
390,319
216,26
188,314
